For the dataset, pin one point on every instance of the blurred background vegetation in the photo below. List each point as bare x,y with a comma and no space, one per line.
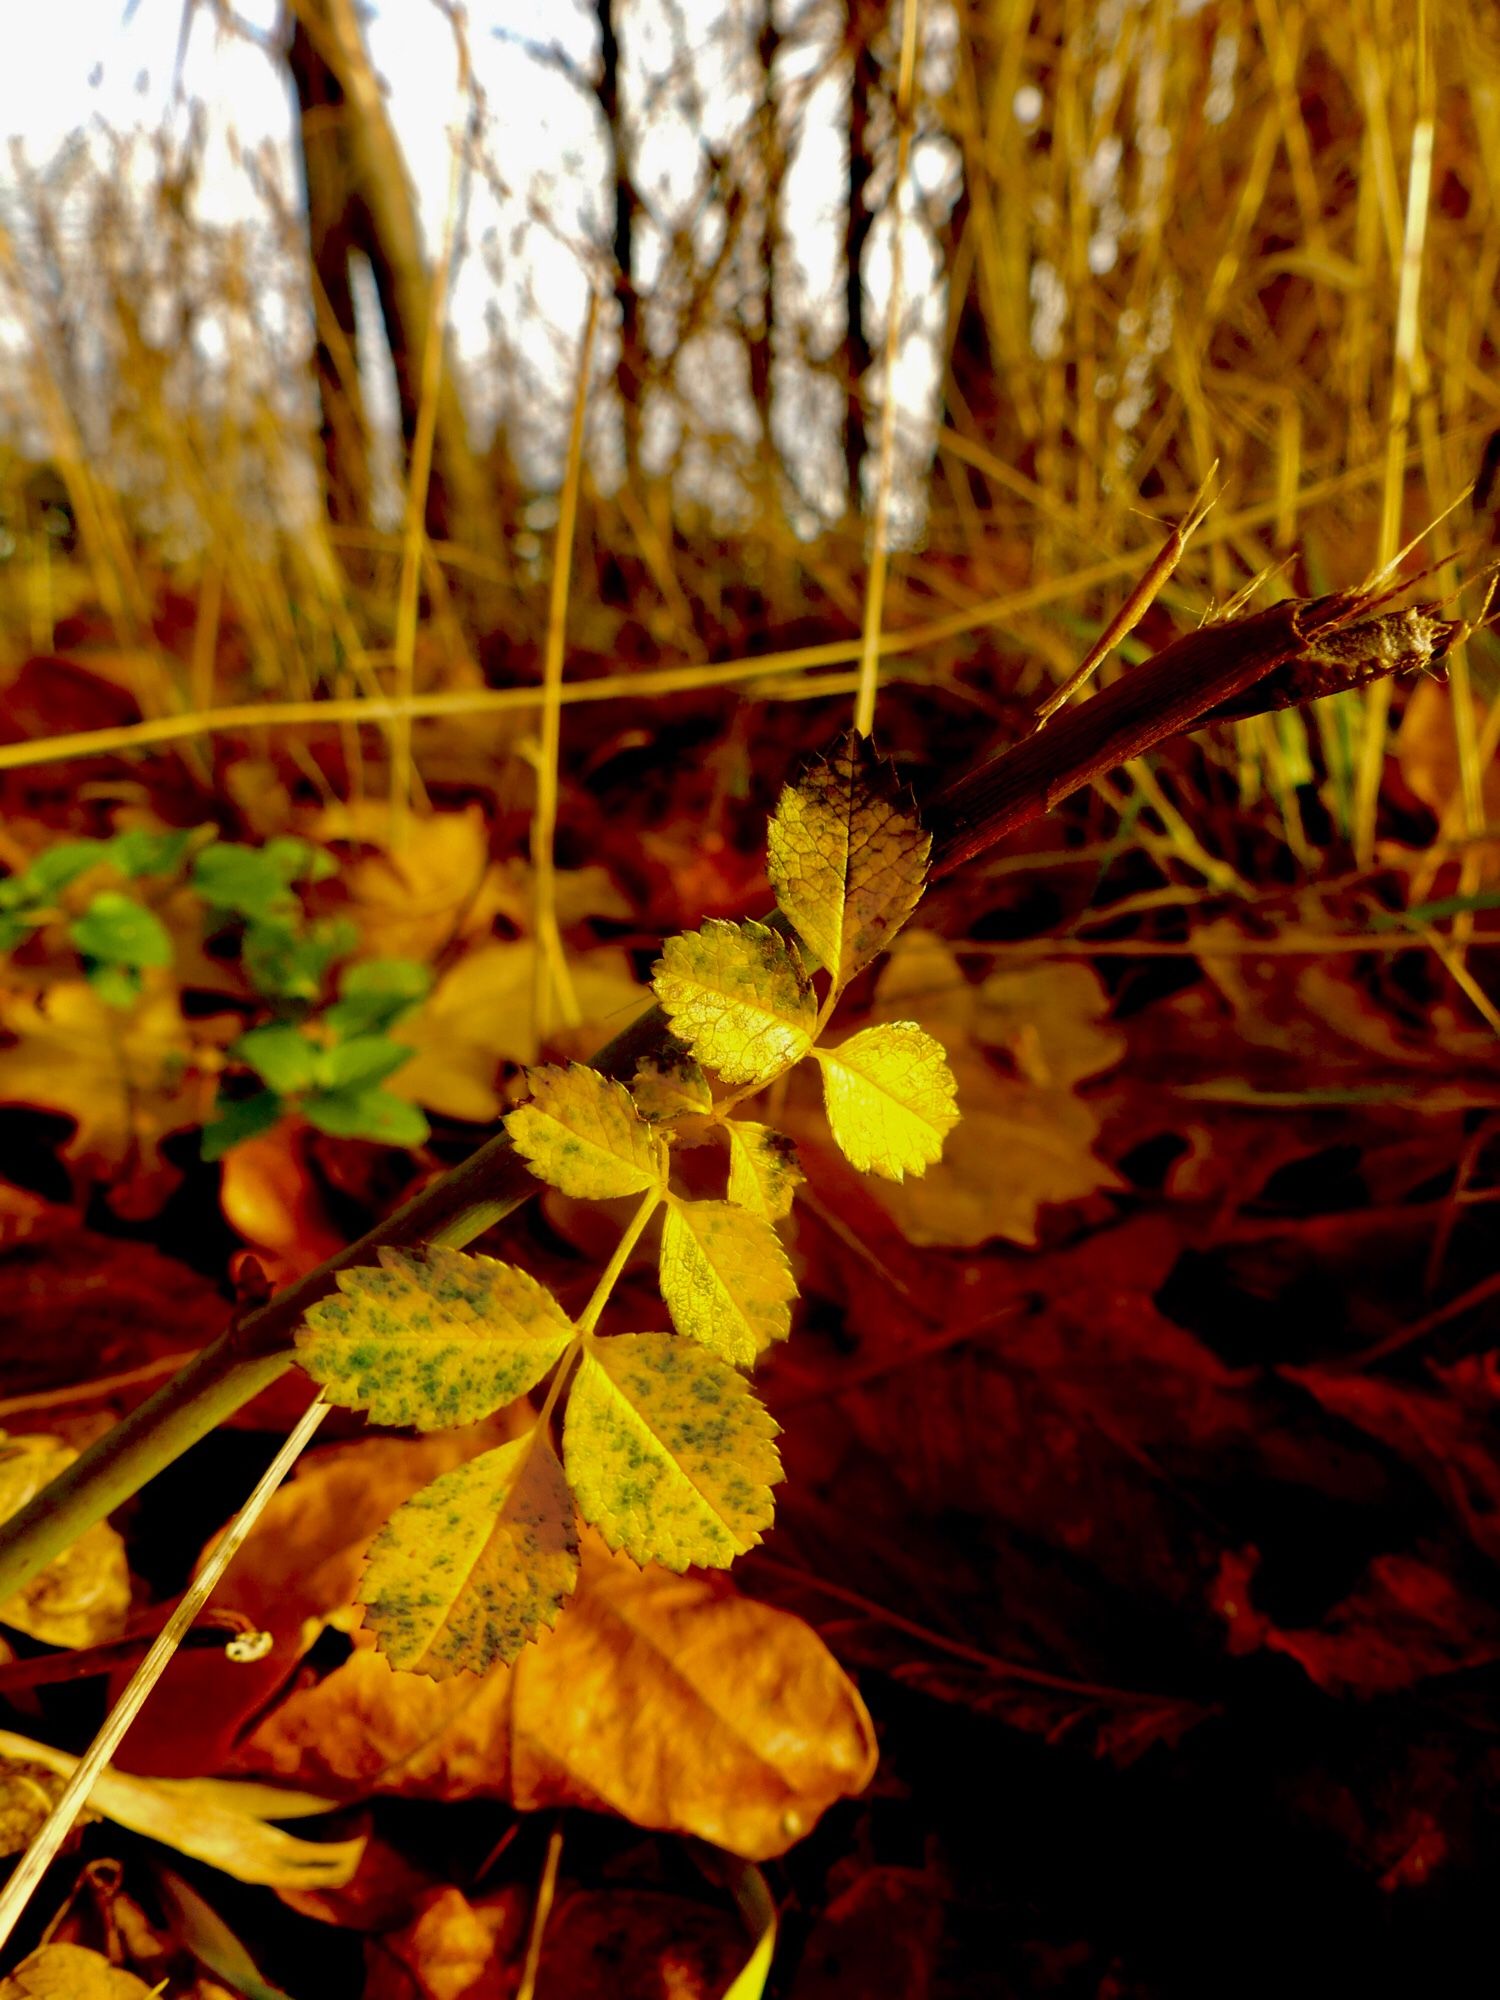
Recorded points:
285,416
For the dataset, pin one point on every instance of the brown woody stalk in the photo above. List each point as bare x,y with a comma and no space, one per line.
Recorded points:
1296,651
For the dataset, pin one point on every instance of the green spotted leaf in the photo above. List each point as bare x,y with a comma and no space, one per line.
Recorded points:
476,1564
725,1278
432,1340
763,1171
738,996
669,1454
583,1134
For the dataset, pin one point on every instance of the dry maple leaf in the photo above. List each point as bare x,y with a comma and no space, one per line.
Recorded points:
671,1700
126,1079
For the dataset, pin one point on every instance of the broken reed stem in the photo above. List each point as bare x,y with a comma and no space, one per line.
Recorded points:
1174,691
1136,605
1418,188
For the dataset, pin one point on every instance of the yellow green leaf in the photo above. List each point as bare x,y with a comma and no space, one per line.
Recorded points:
763,1171
667,1451
670,1085
1026,1137
725,1278
472,1567
583,1134
847,859
738,996
432,1340
889,1094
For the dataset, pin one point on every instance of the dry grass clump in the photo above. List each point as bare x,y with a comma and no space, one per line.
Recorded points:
1258,236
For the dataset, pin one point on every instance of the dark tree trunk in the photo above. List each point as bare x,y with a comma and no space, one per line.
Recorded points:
630,369
865,20
771,165
330,208
365,202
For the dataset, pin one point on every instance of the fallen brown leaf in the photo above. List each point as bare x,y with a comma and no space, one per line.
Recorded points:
126,1079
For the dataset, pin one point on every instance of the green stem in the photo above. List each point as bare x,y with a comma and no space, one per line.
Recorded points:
651,1200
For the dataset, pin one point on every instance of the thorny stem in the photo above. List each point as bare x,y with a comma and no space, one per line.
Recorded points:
1174,691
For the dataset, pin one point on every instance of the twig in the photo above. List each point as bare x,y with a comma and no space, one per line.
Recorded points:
58,1824
1136,605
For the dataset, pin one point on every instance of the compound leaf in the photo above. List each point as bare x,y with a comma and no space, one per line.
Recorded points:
433,1340
763,1171
738,996
725,1278
472,1567
583,1134
668,1453
847,860
889,1095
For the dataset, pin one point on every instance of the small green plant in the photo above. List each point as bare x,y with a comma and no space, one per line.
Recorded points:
661,1443
328,1062
331,1067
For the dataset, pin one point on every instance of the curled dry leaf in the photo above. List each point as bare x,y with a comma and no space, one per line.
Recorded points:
635,1944
82,1597
69,1972
450,1948
271,1197
671,1701
226,1824
126,1079
1404,1622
